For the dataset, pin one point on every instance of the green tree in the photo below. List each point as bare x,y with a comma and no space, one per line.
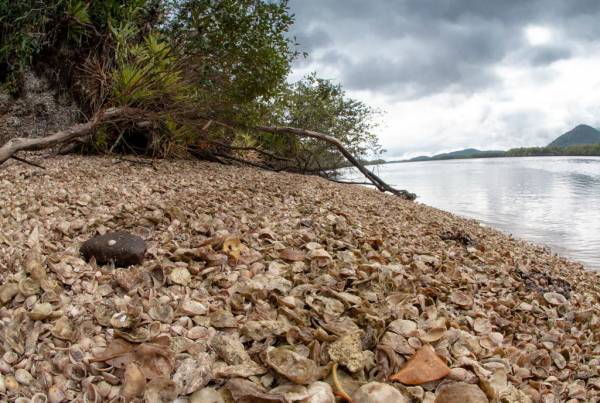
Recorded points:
320,105
237,49
180,63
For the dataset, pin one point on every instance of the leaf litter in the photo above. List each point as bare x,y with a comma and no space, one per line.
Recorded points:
264,287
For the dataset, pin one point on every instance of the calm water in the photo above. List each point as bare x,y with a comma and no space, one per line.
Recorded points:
553,201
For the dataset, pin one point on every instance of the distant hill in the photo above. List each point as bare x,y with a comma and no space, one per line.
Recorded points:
583,140
582,134
466,153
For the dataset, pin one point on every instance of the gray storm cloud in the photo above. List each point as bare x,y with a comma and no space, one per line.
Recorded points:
413,48
459,73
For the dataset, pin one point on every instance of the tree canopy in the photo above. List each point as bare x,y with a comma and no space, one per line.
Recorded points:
199,74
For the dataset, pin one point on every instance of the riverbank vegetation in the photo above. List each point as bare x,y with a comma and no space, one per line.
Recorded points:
178,78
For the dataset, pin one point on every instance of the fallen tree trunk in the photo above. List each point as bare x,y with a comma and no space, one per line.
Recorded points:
78,131
375,180
15,145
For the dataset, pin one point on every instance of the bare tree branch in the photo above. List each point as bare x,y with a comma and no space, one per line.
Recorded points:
15,145
380,184
23,160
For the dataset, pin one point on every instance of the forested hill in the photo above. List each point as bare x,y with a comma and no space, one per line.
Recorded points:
582,134
583,140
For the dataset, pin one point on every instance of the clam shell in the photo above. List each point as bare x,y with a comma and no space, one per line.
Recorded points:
29,286
461,299
8,291
122,320
41,311
23,377
190,307
554,298
161,312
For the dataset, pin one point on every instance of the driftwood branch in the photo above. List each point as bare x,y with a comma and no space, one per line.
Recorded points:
351,182
13,146
24,161
374,179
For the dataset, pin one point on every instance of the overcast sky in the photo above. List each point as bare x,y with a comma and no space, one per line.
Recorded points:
451,74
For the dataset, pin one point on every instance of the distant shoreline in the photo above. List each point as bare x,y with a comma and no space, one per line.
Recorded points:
481,158
591,150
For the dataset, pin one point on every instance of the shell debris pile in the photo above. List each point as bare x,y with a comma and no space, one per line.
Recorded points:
263,287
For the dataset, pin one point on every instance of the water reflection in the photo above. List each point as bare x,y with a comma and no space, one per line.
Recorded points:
551,200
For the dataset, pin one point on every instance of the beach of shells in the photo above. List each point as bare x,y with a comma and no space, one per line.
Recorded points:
273,287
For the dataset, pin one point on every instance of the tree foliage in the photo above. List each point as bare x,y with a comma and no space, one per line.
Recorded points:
182,63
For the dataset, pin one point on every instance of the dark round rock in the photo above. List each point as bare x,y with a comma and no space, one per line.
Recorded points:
120,247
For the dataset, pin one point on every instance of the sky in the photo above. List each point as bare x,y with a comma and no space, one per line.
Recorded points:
452,74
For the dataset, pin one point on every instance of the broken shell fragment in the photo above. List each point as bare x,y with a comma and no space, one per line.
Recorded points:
460,392
293,366
160,390
134,381
377,392
292,255
424,366
319,392
347,350
161,312
8,291
29,286
461,299
180,275
190,307
41,311
554,298
206,395
406,328
122,320
193,373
